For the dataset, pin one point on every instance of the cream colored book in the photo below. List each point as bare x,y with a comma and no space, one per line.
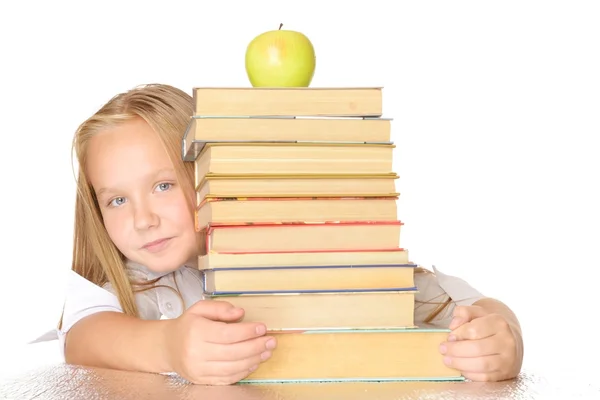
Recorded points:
285,101
357,355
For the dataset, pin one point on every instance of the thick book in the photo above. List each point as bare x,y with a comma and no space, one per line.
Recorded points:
292,185
300,236
294,158
330,309
357,355
289,209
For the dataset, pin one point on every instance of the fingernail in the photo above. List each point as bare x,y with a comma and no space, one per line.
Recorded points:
264,355
236,310
447,360
271,343
261,329
452,338
253,368
443,349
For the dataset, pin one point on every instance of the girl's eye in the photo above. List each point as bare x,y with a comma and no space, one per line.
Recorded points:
164,186
117,201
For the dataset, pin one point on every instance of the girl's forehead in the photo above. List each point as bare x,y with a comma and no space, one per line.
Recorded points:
128,152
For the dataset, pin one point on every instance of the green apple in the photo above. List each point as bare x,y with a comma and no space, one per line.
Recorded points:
280,58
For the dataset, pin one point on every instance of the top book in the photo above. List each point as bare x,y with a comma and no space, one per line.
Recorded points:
305,101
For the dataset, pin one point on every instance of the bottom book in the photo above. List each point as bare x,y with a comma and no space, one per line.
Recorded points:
356,355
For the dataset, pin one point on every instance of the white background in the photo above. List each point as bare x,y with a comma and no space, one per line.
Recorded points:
496,109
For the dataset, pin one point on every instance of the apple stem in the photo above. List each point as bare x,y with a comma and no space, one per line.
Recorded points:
280,25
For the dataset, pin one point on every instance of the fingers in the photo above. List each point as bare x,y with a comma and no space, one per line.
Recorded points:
494,376
483,364
229,368
223,380
479,328
464,314
216,310
222,333
472,348
240,350
229,372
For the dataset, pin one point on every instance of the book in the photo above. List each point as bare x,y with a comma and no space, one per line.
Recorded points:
348,257
289,185
293,158
284,101
294,237
356,355
281,210
334,309
202,130
308,278
296,199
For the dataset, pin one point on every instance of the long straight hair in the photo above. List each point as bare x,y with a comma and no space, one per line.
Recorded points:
167,110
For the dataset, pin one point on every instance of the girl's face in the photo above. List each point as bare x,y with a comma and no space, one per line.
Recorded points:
144,209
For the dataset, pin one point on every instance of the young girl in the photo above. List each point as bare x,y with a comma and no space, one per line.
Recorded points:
134,299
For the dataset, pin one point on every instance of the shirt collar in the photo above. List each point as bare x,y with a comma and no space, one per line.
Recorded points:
147,272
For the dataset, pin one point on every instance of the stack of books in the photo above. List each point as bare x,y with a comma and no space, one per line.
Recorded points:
297,201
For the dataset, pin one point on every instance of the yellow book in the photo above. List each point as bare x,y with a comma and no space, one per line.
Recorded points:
202,130
286,101
295,259
280,210
290,185
357,355
335,309
308,278
296,158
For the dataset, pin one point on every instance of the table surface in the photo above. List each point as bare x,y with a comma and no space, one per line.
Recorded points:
61,381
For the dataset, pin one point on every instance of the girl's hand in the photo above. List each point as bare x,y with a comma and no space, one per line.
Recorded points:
206,344
484,346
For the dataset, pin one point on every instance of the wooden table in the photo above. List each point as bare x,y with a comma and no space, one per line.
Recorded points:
60,381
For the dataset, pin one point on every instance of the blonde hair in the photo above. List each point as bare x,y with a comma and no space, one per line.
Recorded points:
167,111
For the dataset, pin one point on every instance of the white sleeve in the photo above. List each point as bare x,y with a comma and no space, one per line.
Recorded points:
84,298
461,293
434,289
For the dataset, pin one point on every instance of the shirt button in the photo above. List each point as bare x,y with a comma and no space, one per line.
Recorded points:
169,306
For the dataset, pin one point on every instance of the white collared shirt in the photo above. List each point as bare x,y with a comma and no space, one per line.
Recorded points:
84,298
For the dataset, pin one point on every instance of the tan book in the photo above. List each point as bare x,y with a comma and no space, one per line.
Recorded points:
295,259
303,101
282,185
260,210
357,355
297,158
328,310
296,237
201,130
308,278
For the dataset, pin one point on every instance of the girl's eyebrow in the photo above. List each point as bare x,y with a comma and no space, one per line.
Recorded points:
150,176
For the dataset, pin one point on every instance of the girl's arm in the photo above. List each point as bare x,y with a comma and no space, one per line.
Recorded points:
202,345
118,341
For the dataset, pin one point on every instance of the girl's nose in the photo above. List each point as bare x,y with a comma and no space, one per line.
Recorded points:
145,217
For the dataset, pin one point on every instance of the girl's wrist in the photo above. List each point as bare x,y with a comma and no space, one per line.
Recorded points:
165,364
